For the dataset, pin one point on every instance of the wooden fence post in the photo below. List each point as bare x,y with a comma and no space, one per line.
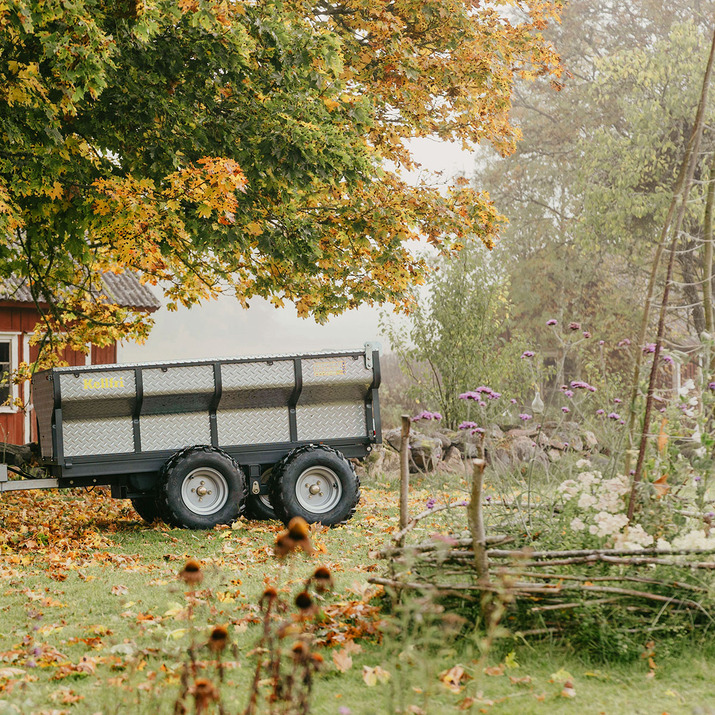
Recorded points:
476,522
404,473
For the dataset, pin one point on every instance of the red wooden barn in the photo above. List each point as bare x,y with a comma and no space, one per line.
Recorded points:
18,318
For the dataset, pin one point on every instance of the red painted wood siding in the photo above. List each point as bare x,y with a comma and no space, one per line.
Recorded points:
21,319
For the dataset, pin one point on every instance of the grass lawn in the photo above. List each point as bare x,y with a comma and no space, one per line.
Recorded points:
93,620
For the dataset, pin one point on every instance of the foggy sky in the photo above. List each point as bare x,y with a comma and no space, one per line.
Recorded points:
221,328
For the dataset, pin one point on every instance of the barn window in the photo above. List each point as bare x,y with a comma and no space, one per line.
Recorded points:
8,362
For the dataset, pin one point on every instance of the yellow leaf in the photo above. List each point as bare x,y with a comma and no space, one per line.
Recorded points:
343,661
176,634
255,229
510,660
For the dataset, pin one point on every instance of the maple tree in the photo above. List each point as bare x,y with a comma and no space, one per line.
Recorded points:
245,148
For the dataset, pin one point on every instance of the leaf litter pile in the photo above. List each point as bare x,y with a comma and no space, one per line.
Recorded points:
97,608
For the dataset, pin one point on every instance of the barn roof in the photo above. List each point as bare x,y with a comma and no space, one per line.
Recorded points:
124,289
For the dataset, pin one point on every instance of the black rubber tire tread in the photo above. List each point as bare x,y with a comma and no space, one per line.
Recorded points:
147,508
282,492
171,506
255,508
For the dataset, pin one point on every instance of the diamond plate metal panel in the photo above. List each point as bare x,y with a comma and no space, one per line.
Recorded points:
336,370
258,375
333,421
97,386
255,426
113,435
174,431
178,380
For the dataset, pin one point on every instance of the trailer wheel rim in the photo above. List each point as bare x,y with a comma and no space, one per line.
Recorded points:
318,490
204,491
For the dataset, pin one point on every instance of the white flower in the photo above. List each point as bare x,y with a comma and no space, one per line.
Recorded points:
686,388
587,479
633,538
695,539
586,501
577,524
663,545
609,524
617,485
569,489
582,464
608,501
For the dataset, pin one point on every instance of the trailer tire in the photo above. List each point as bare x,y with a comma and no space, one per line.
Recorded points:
197,473
258,506
147,507
317,483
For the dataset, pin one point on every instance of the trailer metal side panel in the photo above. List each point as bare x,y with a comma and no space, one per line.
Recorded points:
174,412
332,401
97,412
102,421
254,405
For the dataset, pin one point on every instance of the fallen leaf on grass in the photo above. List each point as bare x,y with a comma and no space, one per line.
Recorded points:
568,690
342,659
525,680
561,676
494,670
452,678
119,590
373,676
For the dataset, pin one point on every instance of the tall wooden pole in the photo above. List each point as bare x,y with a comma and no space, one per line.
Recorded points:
404,474
680,193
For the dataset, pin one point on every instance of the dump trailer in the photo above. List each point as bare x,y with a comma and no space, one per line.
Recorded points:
198,443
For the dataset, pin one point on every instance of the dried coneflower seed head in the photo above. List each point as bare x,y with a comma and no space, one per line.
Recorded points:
300,651
298,528
304,601
270,593
317,658
204,693
322,579
218,639
284,545
192,573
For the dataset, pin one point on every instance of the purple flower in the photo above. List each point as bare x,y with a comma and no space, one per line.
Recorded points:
477,430
600,412
614,416
342,710
430,503
621,422
586,334
711,385
617,400
551,321
667,359
574,326
624,343
479,393
513,401
697,479
581,385
527,354
482,403
489,499
425,415
568,393
601,342
524,416
648,348
467,425
565,410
